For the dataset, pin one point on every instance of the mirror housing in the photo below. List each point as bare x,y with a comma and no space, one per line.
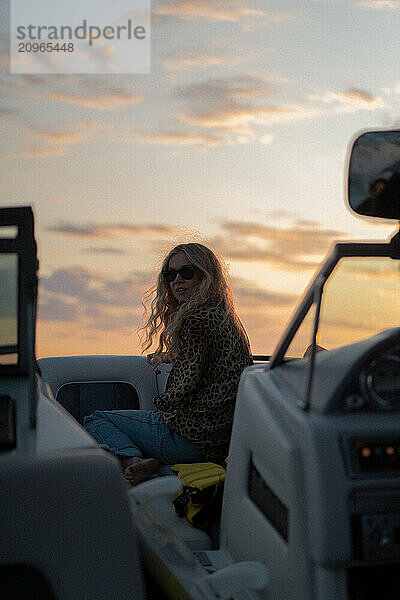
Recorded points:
374,175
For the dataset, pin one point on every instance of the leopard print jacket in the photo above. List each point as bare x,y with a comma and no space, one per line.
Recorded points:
199,400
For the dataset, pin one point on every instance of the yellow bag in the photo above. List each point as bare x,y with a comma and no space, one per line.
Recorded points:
201,498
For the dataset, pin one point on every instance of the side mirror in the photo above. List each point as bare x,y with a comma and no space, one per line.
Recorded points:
374,175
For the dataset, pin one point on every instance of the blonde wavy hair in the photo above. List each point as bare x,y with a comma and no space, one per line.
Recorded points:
165,315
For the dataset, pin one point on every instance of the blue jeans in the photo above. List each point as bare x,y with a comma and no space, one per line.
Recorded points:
140,433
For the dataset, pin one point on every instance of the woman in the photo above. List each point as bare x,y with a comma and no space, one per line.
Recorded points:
199,332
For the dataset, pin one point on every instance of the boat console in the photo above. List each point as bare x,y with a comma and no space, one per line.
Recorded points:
313,480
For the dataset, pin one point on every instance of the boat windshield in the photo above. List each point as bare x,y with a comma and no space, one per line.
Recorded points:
360,298
9,309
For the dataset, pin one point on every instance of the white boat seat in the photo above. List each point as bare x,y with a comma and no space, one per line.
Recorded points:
134,370
179,560
58,372
65,515
156,496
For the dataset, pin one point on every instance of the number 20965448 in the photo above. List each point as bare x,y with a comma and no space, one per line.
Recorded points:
45,47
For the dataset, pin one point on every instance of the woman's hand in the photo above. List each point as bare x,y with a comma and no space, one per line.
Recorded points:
161,358
150,360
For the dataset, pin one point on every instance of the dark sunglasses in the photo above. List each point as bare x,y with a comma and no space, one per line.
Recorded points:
185,272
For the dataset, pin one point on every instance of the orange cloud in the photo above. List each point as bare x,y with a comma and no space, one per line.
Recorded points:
192,59
352,100
233,11
58,140
232,104
96,93
103,102
61,137
210,10
230,116
94,230
229,104
188,59
298,247
236,87
180,138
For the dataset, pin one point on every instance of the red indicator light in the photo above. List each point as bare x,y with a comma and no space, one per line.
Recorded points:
366,452
390,450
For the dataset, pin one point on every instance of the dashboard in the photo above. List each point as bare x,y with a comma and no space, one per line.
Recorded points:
378,384
376,388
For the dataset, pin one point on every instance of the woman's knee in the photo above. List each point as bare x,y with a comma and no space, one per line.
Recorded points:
96,414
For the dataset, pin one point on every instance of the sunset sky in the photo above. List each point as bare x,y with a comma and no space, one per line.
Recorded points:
238,139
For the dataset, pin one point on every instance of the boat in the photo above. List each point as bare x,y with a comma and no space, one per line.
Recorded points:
311,499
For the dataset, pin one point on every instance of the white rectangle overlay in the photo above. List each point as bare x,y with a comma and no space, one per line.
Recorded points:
80,36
